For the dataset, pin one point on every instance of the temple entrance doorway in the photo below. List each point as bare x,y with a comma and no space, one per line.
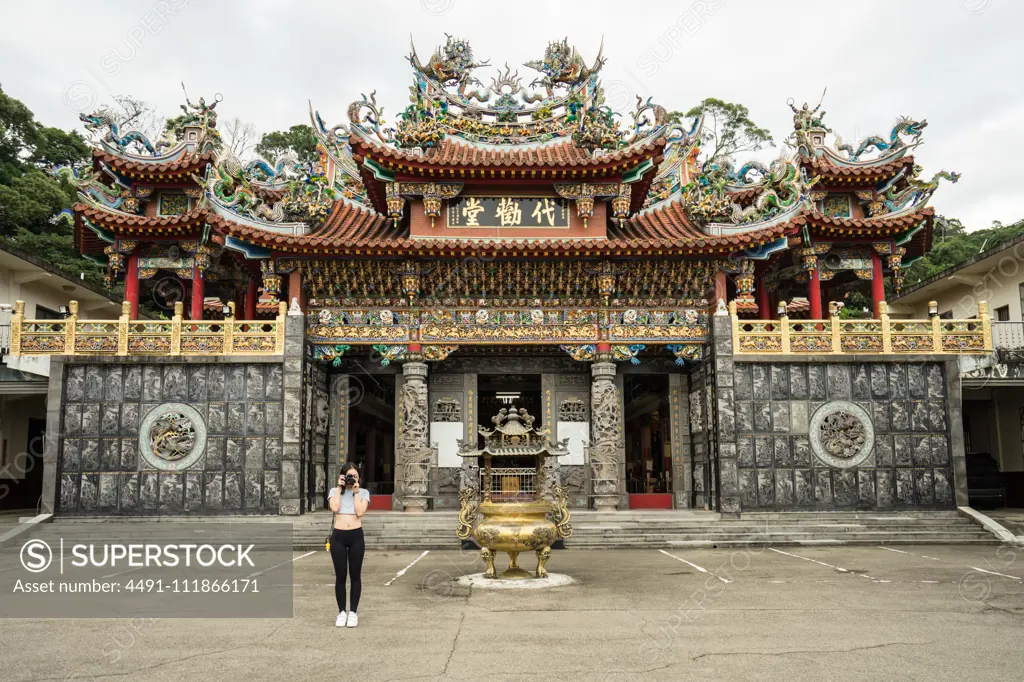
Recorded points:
507,391
499,391
648,450
371,442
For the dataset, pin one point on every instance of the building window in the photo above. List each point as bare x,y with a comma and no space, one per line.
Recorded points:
44,313
1003,314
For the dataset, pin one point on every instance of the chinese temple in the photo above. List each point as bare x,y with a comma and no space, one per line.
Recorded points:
517,243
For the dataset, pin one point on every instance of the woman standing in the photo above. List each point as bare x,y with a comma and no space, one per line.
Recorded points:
348,502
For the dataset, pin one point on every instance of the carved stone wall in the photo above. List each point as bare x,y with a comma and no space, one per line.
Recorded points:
451,407
847,435
566,409
103,427
680,441
316,429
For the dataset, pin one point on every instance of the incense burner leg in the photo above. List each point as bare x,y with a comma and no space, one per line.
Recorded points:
488,556
513,561
543,554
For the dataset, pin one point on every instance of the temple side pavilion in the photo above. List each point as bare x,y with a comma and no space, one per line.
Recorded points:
506,245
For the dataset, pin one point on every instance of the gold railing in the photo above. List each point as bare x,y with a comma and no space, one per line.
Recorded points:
125,336
884,335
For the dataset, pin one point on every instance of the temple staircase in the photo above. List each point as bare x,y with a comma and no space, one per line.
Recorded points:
667,529
631,529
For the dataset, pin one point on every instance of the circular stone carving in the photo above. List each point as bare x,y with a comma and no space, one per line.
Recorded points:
172,437
842,434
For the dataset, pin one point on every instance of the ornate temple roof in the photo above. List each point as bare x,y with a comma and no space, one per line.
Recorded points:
555,133
667,225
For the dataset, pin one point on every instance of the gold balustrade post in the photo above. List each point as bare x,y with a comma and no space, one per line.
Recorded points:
179,309
837,330
784,322
123,328
70,323
16,322
883,317
229,330
936,328
735,319
986,325
282,311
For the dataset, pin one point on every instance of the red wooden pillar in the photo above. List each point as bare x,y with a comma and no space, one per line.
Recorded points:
764,310
131,284
814,295
198,294
295,288
721,290
877,281
251,294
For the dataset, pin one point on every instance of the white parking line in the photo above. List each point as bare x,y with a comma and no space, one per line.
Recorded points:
111,575
690,563
1001,575
402,572
797,556
283,563
900,551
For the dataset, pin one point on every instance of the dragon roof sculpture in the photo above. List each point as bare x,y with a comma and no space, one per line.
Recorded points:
447,99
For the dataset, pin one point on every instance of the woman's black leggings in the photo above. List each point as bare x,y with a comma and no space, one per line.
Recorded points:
347,550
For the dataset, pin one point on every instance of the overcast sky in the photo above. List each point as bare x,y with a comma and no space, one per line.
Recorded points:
957,63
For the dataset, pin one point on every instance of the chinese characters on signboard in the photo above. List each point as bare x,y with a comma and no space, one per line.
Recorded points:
508,212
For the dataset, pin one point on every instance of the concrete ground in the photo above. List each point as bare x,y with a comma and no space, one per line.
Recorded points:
843,613
1011,519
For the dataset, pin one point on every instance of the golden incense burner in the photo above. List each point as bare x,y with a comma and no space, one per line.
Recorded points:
516,507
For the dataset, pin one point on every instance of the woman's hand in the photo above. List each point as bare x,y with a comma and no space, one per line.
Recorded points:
355,488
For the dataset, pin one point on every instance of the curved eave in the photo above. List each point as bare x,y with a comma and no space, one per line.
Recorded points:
223,211
858,174
348,225
666,224
839,161
126,223
155,169
561,157
887,225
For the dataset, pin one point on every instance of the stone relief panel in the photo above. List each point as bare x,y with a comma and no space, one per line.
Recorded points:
696,412
447,409
572,409
843,436
171,438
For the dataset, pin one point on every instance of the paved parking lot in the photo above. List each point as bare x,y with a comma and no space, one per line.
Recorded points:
852,613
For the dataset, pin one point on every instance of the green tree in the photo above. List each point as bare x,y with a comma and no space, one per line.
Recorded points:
299,139
952,244
30,197
727,126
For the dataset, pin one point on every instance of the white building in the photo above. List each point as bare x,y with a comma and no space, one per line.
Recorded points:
993,398
23,380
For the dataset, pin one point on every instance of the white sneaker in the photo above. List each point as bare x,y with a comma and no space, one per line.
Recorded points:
353,619
341,620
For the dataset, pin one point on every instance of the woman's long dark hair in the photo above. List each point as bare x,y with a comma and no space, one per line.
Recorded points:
349,466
